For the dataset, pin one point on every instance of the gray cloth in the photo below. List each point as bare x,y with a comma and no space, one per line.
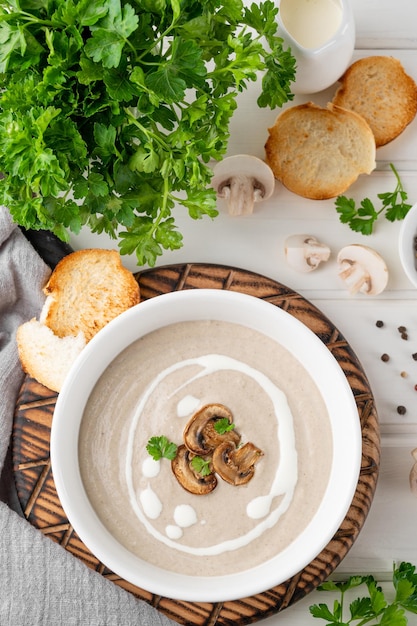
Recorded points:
40,582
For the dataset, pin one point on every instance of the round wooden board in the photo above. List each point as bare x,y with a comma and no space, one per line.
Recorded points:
41,506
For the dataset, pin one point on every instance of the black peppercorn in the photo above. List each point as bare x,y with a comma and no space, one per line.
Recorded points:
379,323
385,357
401,410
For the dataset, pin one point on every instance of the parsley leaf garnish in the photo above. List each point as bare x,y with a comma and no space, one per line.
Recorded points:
110,111
223,426
201,466
362,219
161,448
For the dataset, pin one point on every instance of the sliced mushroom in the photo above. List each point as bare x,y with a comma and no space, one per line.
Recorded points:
236,465
243,180
200,435
189,479
305,253
362,269
413,473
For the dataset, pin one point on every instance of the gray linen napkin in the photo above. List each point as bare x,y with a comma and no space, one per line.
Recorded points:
41,584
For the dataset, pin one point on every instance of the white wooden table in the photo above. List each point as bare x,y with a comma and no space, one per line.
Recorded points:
256,243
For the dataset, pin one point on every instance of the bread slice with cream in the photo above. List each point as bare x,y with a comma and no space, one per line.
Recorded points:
86,290
379,89
46,357
319,152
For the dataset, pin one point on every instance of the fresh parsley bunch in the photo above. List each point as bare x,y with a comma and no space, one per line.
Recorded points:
374,608
110,111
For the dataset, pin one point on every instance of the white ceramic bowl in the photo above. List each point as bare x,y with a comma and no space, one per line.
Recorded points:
231,307
407,246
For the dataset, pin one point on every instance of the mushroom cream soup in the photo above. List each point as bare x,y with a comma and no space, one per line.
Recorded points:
152,389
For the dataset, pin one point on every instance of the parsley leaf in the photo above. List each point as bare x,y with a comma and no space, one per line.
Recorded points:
373,608
223,425
109,38
161,448
362,219
201,466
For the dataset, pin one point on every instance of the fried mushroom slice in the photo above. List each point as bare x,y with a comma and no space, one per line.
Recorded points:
236,465
188,478
200,435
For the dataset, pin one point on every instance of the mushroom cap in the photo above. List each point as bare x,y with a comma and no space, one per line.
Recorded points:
367,273
236,465
189,479
247,165
200,436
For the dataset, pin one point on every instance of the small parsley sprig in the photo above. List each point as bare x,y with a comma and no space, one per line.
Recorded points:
362,219
201,465
374,608
161,448
223,426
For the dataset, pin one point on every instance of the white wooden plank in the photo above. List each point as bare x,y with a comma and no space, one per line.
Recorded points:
382,23
393,382
389,532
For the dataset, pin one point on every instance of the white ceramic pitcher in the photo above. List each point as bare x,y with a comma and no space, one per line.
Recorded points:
321,35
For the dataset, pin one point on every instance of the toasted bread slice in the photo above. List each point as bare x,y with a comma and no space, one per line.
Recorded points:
379,89
44,356
319,152
86,290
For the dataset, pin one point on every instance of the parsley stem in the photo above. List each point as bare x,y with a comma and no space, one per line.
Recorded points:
158,41
149,133
164,210
397,176
29,18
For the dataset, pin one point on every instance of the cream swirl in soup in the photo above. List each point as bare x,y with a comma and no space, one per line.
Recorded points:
152,388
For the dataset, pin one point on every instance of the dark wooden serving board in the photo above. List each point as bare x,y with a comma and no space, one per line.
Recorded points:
41,506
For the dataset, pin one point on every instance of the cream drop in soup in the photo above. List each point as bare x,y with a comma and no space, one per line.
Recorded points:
152,389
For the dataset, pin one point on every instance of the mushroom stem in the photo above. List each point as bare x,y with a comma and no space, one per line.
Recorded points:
236,465
242,180
362,269
241,194
355,277
246,456
305,253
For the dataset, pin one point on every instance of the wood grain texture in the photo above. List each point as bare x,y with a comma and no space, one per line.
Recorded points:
41,506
